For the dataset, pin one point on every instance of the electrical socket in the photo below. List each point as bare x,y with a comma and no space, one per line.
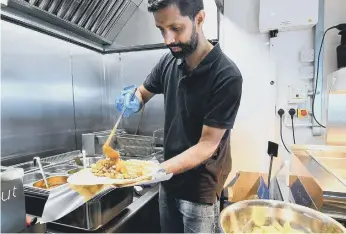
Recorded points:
297,94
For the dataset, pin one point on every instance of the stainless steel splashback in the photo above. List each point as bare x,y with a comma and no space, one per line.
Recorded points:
52,92
133,68
89,97
36,93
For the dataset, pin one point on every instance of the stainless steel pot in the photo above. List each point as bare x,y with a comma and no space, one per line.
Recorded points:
53,181
245,216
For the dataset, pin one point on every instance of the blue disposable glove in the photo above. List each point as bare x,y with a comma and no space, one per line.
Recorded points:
133,106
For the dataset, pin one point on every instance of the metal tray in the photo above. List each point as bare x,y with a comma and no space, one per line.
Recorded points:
136,140
137,150
30,166
98,212
90,216
332,162
31,178
60,169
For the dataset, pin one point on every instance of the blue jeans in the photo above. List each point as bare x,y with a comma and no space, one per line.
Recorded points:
179,216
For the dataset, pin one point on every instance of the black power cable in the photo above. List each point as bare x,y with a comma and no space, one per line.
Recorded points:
292,113
317,76
281,112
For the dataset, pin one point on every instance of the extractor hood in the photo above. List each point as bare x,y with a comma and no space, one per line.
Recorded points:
98,21
93,24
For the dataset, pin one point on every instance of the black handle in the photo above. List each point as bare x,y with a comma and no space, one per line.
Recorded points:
273,149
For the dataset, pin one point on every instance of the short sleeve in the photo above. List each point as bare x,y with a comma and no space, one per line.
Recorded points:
153,82
224,102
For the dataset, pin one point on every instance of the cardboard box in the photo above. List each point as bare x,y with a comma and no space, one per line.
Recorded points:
314,197
251,185
246,186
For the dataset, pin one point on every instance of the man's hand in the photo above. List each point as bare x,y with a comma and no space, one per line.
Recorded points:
134,105
197,154
124,100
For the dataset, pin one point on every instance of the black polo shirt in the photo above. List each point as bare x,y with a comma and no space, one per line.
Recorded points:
209,95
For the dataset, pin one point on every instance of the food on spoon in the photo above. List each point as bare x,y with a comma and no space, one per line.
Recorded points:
119,169
110,153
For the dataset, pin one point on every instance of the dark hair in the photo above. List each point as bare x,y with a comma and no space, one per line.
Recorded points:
188,8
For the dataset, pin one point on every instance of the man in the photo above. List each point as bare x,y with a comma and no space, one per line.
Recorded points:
202,92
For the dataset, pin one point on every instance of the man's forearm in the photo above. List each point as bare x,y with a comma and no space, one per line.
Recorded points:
143,95
190,158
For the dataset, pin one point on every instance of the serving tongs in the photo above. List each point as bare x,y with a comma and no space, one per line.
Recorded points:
107,149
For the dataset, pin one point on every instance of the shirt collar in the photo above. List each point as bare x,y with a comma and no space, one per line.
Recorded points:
206,63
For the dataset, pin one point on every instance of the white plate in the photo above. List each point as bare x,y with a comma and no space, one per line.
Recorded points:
86,177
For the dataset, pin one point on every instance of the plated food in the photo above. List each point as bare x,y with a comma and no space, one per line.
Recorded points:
114,171
107,172
119,169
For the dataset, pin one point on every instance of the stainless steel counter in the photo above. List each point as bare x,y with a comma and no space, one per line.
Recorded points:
327,164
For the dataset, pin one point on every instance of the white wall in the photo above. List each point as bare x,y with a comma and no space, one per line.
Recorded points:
256,122
141,30
250,51
335,13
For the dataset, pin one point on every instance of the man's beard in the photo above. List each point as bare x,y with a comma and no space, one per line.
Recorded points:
186,48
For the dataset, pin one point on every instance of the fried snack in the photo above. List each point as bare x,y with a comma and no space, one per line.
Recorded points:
259,217
275,228
110,153
119,169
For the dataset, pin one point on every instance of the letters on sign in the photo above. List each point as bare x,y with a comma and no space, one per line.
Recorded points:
6,195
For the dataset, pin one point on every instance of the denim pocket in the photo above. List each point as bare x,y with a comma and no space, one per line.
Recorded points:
191,209
198,218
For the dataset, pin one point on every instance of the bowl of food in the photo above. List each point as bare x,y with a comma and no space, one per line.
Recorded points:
269,216
53,182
